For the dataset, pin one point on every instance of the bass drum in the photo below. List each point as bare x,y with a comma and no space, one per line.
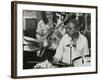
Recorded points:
79,61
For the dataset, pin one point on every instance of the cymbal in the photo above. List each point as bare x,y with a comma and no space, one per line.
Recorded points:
30,39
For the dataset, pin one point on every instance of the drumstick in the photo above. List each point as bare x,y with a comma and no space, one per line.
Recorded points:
82,60
42,51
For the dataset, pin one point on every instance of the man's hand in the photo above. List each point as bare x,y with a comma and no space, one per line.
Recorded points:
55,60
45,43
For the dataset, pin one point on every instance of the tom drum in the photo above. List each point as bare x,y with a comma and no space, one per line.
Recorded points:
79,61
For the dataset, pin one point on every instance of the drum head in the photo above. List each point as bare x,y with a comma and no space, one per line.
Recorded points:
85,62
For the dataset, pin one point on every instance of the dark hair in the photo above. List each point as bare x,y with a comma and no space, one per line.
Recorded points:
45,20
75,22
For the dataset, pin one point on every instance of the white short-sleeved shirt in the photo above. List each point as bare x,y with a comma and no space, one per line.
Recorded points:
63,51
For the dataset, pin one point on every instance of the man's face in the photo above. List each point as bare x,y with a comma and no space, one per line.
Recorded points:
71,29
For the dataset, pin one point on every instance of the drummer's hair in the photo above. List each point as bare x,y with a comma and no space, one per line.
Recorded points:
45,20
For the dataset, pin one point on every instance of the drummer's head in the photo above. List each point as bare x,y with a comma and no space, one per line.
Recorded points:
73,27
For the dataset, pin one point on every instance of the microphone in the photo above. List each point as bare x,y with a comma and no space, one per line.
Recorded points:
71,45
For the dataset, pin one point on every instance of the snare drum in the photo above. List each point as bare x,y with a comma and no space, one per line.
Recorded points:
79,61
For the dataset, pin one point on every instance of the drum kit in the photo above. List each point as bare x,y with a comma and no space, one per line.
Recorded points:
77,62
31,44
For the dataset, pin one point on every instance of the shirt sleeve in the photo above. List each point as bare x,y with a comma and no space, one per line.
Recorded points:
59,51
86,49
39,31
39,28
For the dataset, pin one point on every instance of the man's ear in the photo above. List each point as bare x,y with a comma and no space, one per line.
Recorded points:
77,29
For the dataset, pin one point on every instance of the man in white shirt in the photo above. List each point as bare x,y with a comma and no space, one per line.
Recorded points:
72,45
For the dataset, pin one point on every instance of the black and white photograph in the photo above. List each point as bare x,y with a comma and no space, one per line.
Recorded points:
54,39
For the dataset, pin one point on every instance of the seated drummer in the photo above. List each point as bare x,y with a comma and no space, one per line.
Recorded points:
74,39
